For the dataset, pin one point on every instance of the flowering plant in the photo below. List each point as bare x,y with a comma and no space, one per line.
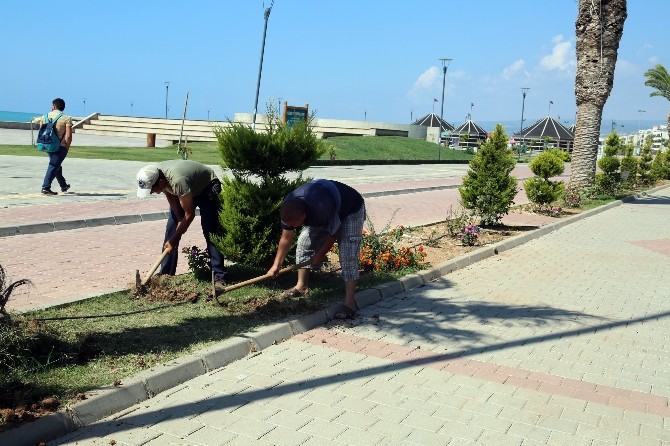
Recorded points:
572,198
198,262
385,252
469,235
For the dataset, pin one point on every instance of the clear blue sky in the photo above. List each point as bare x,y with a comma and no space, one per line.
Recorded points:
347,59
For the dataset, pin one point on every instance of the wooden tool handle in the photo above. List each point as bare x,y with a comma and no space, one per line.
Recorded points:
266,276
155,267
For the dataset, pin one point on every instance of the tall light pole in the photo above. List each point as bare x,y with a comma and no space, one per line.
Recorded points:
131,107
260,67
445,65
167,88
524,90
84,99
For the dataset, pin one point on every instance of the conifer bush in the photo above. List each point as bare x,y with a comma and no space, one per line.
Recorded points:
659,167
629,163
609,181
488,189
644,163
540,190
258,161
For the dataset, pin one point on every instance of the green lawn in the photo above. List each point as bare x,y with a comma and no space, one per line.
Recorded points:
45,355
346,148
390,148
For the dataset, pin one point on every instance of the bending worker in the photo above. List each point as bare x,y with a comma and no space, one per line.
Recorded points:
329,211
186,185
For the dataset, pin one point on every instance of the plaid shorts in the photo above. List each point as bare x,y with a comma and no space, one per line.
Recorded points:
348,243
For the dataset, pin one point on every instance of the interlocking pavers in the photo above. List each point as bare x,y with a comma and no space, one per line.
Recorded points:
571,308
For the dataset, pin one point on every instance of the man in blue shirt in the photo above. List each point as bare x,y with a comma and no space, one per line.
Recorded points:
330,212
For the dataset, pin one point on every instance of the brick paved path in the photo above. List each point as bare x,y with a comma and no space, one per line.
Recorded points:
561,341
67,265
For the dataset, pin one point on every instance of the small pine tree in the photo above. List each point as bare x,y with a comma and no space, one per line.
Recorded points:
609,181
629,163
540,190
252,198
659,166
488,189
645,161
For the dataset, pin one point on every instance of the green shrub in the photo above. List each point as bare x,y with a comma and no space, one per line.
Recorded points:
547,164
659,167
607,185
250,215
488,189
629,163
644,164
609,181
543,192
540,190
250,219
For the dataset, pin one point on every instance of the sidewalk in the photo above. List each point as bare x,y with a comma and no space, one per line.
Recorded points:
563,340
91,241
94,254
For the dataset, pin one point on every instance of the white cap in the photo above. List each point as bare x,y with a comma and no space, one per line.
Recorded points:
146,177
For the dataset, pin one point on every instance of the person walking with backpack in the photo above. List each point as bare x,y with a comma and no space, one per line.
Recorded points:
55,139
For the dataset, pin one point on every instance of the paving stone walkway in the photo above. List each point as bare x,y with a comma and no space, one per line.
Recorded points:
564,340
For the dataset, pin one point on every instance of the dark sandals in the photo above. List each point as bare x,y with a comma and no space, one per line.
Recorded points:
344,312
294,292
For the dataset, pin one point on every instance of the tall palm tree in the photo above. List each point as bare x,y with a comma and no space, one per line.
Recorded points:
659,79
598,28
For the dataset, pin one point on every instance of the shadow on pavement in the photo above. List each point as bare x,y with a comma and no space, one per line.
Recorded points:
653,200
229,403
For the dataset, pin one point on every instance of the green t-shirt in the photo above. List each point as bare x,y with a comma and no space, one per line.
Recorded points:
185,176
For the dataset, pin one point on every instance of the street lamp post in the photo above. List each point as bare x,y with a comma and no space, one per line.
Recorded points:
524,90
131,107
167,88
84,100
260,67
445,65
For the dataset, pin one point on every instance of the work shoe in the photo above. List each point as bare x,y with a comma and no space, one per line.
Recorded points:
48,191
65,189
219,287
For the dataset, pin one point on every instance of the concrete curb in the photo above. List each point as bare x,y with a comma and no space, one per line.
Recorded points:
65,225
109,400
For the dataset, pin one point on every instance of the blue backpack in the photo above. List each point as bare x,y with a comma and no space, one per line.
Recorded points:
47,138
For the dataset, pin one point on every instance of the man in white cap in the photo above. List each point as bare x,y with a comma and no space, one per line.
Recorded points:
187,185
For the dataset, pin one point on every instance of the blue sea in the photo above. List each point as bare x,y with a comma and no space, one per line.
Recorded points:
8,116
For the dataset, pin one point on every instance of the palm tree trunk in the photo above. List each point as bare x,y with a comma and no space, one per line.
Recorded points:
585,149
598,29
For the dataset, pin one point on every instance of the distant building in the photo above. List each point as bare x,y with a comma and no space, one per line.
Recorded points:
546,133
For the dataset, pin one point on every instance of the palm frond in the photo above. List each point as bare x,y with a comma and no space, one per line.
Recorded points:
659,79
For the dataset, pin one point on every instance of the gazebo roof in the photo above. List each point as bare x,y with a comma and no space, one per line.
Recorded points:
546,127
432,120
472,128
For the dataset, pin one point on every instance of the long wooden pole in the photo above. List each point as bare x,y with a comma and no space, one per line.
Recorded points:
183,117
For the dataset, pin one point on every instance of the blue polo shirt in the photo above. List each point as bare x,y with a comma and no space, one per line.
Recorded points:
327,203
